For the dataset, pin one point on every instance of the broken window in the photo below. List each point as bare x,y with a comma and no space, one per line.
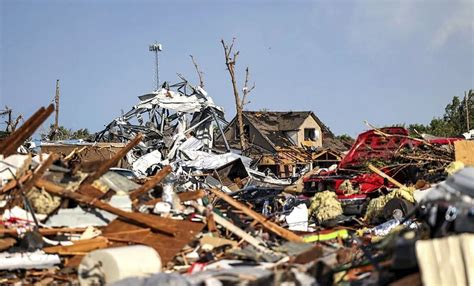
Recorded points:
310,134
246,131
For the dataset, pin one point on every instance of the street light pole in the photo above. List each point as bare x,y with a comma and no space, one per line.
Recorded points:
156,48
467,97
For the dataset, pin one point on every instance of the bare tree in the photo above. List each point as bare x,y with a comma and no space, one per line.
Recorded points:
11,123
199,72
230,60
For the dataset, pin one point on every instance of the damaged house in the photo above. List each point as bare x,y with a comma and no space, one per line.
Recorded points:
285,142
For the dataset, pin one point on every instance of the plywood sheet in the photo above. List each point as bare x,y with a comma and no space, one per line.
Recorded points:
167,246
464,152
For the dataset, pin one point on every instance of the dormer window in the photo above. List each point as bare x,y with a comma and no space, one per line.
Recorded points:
310,134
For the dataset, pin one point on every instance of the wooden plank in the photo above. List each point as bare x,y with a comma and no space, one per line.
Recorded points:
234,229
80,246
8,141
385,176
151,183
43,231
155,222
14,183
278,230
26,132
464,152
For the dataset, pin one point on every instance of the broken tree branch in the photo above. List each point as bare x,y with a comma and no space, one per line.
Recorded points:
199,72
246,90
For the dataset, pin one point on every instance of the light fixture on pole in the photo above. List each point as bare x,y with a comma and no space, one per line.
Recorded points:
156,48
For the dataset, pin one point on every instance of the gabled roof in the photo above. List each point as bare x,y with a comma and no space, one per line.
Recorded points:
284,120
272,125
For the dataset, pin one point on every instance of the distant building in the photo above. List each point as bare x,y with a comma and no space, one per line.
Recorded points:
285,142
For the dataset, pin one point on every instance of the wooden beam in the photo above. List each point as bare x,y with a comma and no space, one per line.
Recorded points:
148,185
284,233
14,183
8,141
44,231
80,246
234,229
385,176
26,130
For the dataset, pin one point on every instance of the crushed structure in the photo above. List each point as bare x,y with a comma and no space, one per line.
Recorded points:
285,142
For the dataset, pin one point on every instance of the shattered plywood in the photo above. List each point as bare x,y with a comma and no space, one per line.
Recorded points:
167,246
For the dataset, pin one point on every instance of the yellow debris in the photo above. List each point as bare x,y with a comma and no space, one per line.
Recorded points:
43,202
324,206
453,167
375,207
347,188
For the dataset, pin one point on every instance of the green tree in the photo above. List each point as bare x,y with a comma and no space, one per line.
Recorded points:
62,133
454,120
345,137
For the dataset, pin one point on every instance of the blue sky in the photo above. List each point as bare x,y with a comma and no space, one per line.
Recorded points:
348,61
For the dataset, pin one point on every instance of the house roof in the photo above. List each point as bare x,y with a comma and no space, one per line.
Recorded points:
273,124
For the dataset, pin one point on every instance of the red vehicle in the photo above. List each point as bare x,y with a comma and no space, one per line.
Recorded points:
373,145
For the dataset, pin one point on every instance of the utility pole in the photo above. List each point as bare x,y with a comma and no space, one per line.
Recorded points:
467,97
56,102
156,48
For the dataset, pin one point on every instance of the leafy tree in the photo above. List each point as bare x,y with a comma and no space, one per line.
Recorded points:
345,137
82,133
454,120
63,133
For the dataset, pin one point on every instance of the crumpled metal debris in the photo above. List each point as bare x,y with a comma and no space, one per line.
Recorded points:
172,119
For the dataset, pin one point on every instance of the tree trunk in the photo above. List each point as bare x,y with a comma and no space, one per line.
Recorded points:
238,107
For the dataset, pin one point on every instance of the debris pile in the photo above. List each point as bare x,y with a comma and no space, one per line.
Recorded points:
185,214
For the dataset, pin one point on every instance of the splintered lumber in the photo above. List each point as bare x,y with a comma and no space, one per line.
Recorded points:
152,221
102,169
239,232
11,144
155,180
80,246
183,197
278,230
234,229
7,141
385,176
